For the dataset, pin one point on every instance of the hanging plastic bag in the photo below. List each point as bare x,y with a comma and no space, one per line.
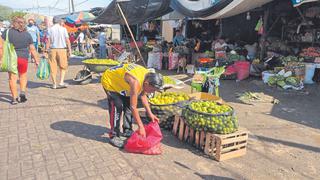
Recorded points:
173,61
149,145
9,57
259,25
43,71
155,60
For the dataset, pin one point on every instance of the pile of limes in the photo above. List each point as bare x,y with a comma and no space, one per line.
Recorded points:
168,98
211,116
101,61
164,107
168,80
210,107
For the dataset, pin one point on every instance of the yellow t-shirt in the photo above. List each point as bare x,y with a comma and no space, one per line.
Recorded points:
113,78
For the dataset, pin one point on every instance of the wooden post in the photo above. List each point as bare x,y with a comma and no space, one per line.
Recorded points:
264,35
131,34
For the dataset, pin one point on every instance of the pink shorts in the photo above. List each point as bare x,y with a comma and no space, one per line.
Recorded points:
22,65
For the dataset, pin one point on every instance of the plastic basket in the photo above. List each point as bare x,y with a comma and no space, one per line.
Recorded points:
166,113
224,123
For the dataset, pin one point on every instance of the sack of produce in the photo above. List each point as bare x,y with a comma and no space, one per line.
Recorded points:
211,116
166,105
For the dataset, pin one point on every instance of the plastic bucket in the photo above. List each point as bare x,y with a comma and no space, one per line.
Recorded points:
243,69
266,75
310,69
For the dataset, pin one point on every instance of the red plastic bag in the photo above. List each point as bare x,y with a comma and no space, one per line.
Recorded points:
243,69
230,70
149,145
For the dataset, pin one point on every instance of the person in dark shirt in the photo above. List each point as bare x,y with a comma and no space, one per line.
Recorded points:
178,38
23,43
151,33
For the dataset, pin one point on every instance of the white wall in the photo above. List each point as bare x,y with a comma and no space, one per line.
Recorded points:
116,32
167,30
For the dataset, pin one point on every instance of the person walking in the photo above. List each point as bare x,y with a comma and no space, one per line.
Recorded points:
59,49
102,44
34,32
23,43
81,41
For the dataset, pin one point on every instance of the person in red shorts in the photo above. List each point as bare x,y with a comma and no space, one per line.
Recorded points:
23,44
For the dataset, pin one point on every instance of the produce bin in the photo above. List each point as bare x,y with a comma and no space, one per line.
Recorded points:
100,65
223,123
166,113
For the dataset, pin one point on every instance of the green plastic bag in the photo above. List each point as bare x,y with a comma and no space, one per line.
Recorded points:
43,71
9,57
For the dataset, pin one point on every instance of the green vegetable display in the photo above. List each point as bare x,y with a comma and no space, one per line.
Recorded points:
286,60
284,80
281,83
78,53
292,81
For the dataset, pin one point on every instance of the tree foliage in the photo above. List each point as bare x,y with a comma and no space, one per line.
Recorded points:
5,13
17,13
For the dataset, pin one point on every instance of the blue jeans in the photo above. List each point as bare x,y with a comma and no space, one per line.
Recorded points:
35,45
103,52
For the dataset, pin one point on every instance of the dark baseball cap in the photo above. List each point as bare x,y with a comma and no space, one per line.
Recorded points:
155,80
57,20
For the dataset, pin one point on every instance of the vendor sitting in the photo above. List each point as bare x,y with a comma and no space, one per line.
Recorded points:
178,39
220,48
252,50
123,85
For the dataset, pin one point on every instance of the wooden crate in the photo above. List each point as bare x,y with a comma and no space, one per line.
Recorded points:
218,146
223,147
187,134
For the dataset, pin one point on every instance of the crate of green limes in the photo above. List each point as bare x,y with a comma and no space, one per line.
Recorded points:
166,105
210,116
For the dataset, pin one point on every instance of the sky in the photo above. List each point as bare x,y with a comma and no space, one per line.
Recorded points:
57,6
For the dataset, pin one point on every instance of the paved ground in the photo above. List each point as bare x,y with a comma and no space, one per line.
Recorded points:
57,134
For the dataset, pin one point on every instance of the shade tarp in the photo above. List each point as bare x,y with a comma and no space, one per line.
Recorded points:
80,17
237,7
73,29
135,11
199,9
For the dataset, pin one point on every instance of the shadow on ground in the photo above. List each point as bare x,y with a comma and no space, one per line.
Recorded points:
83,130
103,103
34,85
75,61
288,143
203,176
5,97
